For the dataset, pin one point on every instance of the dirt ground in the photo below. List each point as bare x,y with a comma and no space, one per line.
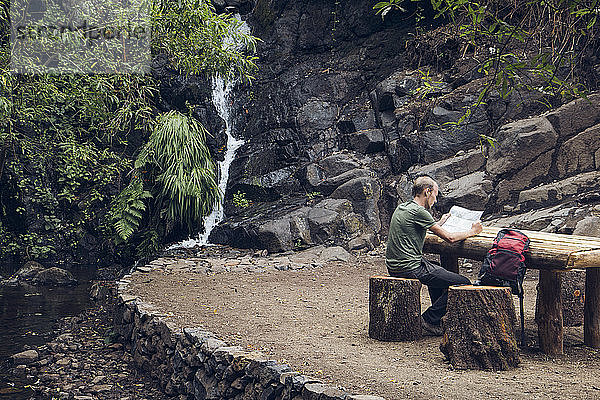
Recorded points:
316,319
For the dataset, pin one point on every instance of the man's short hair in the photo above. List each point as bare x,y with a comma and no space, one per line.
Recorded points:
422,183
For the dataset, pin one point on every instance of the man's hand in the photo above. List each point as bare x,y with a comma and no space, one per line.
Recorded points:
452,237
444,218
476,228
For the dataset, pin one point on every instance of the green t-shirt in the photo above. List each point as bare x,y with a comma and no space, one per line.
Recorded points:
408,227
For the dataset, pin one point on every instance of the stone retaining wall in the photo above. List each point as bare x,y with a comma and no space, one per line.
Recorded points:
192,363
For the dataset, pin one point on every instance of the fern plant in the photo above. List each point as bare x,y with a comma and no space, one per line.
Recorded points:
127,209
177,156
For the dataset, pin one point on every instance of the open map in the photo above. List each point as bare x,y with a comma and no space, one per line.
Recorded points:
461,219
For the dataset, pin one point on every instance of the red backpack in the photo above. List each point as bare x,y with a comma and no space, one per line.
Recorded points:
504,265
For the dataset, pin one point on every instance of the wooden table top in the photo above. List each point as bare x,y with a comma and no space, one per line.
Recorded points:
547,250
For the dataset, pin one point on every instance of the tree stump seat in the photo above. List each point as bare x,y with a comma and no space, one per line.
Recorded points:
394,308
479,328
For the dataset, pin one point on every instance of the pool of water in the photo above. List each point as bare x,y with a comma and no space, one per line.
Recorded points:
29,315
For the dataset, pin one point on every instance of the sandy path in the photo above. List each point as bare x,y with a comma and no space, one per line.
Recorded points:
315,319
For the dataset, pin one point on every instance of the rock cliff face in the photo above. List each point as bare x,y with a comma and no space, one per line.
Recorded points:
339,120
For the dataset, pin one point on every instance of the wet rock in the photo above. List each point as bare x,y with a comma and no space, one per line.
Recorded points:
25,274
316,174
366,141
25,357
54,277
401,152
330,184
356,116
437,144
316,115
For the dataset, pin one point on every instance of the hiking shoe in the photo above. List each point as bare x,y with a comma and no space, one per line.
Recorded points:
430,329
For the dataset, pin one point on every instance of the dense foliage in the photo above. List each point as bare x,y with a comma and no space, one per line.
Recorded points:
544,47
94,160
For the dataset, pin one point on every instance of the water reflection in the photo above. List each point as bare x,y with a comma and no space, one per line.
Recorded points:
29,315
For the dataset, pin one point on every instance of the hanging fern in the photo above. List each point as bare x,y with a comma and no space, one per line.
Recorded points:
127,209
184,171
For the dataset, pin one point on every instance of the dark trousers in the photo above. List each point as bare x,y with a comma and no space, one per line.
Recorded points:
437,280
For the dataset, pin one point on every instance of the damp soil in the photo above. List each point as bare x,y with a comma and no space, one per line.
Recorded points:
316,320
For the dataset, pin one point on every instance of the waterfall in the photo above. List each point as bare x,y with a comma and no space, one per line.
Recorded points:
221,92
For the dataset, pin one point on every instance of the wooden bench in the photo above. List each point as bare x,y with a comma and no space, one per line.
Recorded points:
550,252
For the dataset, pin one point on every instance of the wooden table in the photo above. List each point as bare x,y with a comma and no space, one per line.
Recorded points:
550,253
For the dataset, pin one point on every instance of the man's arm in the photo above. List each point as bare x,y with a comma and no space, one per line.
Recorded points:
452,237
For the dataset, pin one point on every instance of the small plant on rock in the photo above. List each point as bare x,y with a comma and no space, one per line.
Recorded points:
240,200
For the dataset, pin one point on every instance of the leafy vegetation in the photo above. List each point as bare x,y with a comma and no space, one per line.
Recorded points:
177,160
525,46
96,158
240,200
128,209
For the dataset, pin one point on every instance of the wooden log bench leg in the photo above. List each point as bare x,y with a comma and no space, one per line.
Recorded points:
449,261
549,317
572,288
394,308
479,328
591,314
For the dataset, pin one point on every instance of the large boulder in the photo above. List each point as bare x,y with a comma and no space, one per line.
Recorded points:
470,191
315,174
25,357
557,192
337,164
519,143
333,218
449,169
54,277
330,221
544,219
576,116
329,185
34,273
580,153
276,236
364,194
535,172
589,226
438,144
25,274
366,141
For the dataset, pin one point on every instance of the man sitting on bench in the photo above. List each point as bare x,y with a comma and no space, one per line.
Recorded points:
404,253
